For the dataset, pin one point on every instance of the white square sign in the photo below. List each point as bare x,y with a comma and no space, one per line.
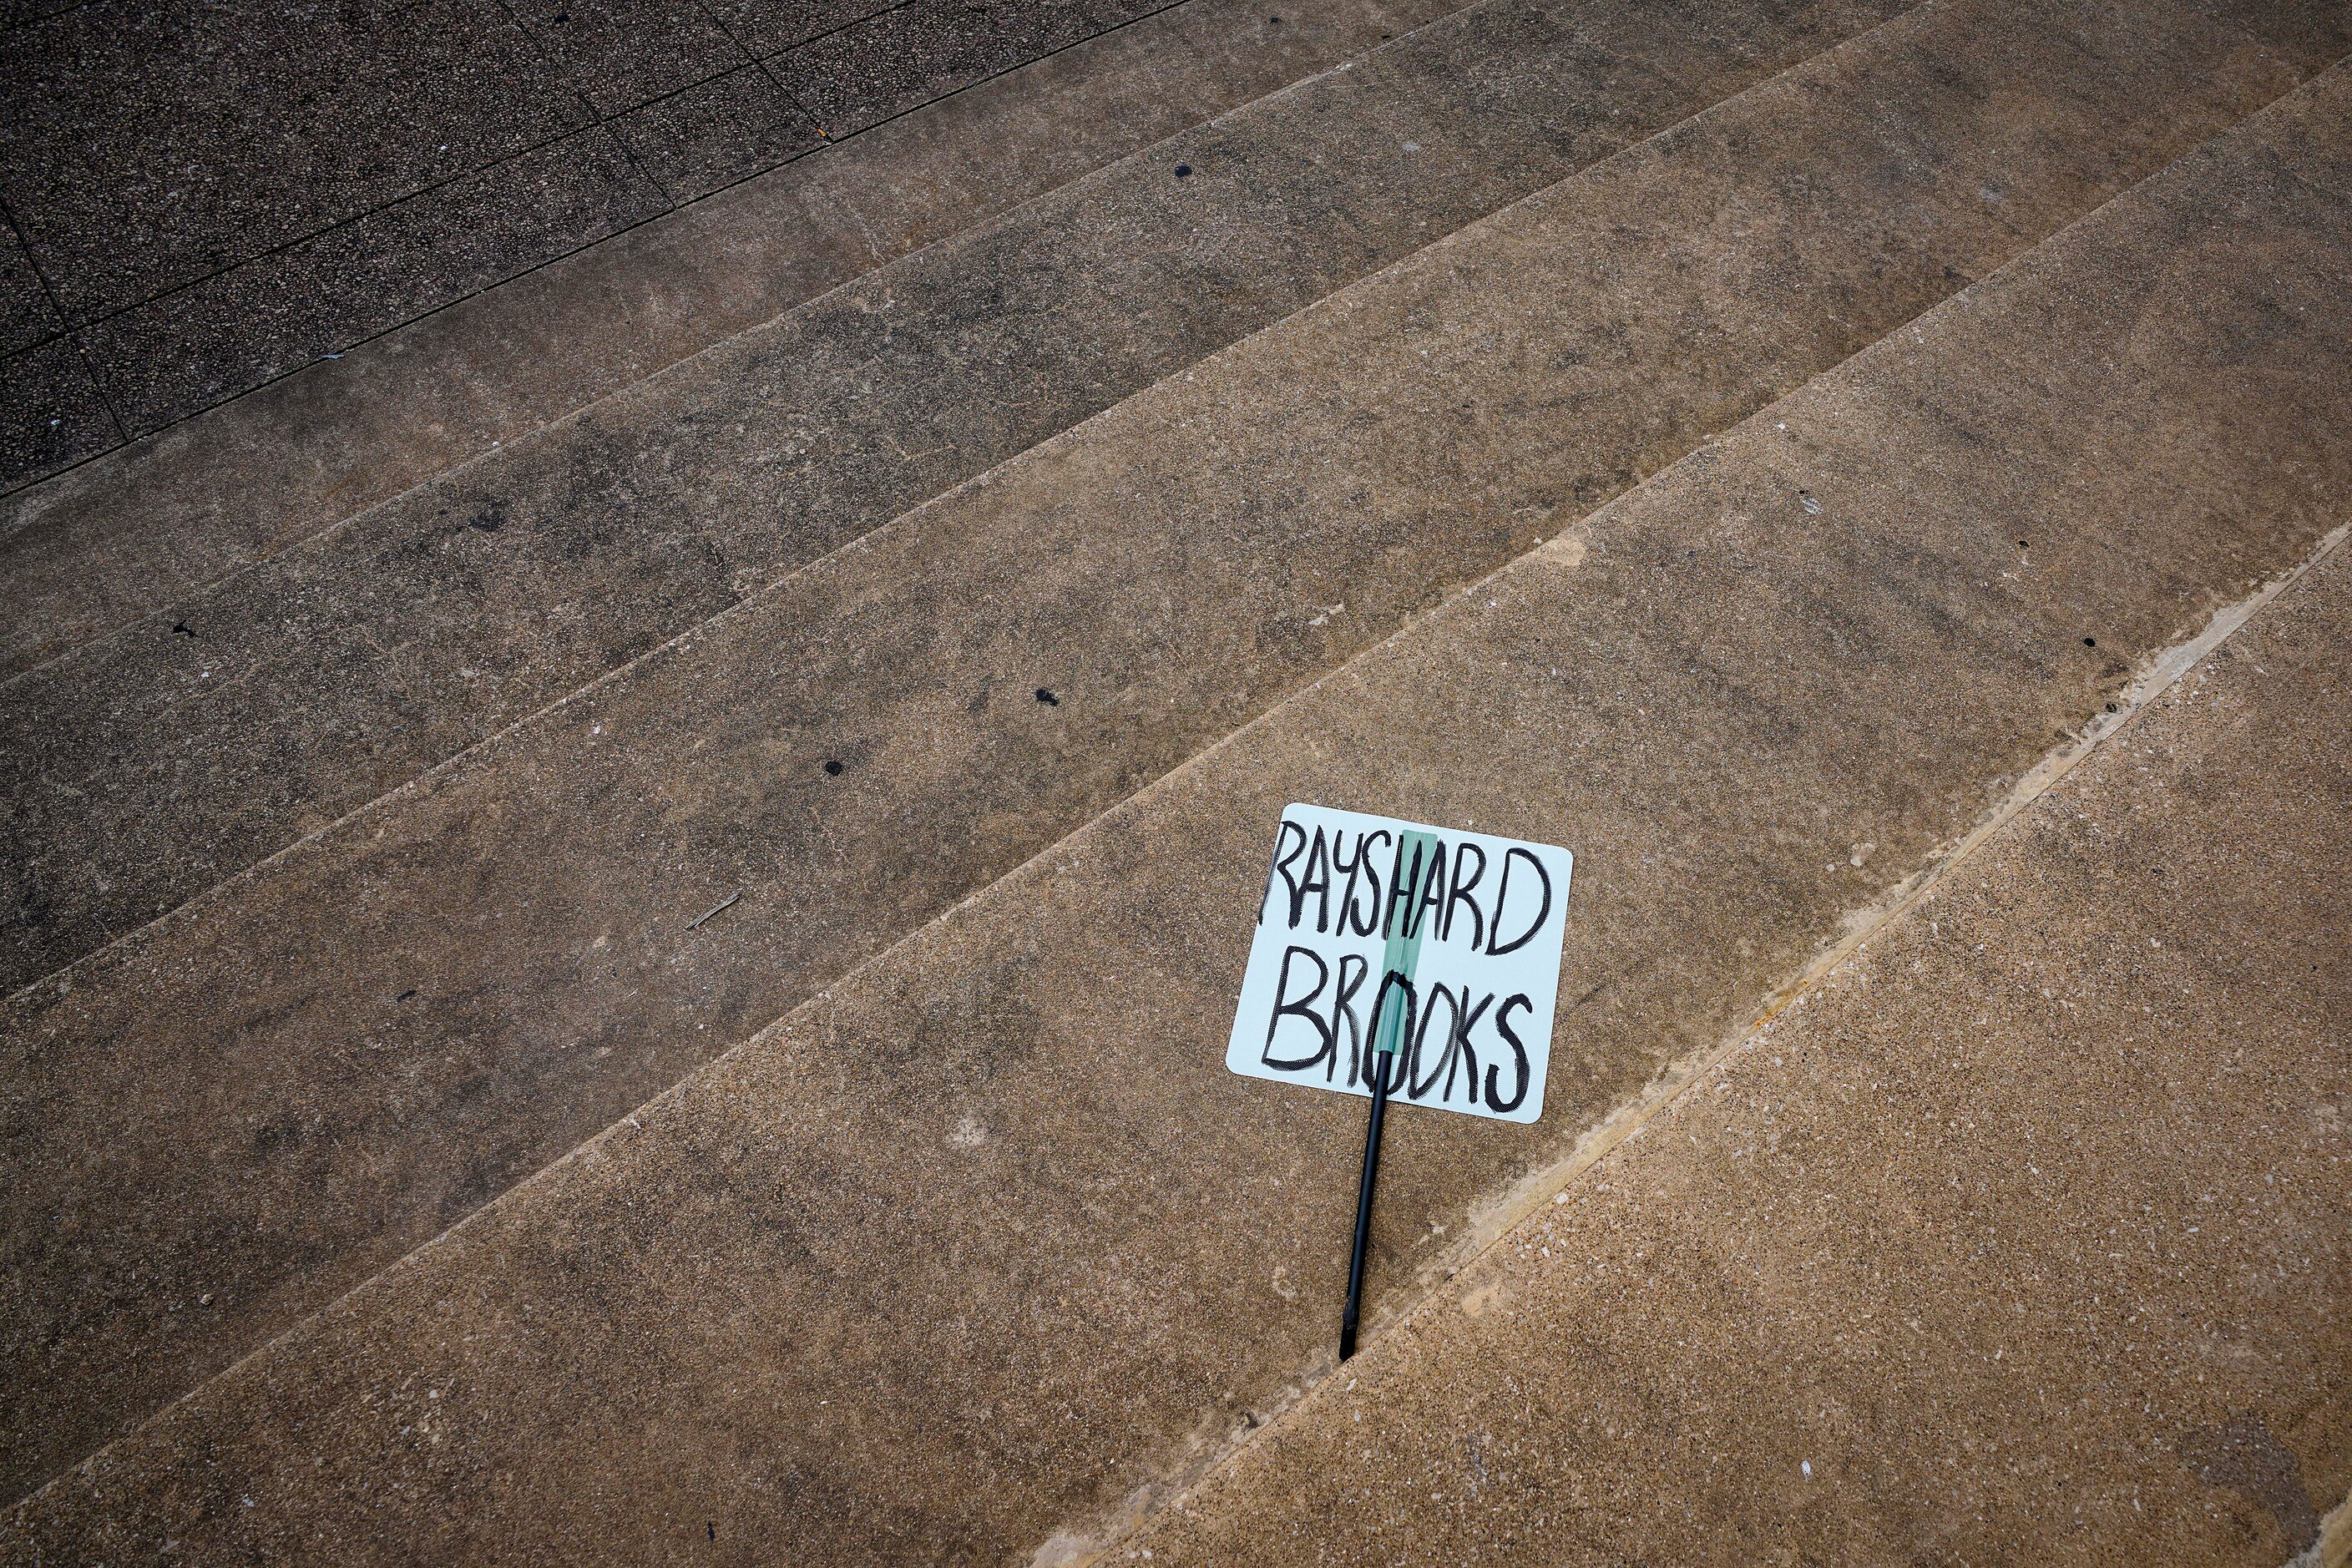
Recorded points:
1377,936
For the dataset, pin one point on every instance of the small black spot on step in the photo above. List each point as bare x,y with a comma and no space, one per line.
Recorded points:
1048,699
1183,170
711,1529
2090,642
412,990
833,766
2111,708
180,628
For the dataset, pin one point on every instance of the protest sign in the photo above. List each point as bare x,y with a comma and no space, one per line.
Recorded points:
1376,935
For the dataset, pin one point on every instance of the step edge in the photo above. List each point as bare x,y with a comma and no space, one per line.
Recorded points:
31,482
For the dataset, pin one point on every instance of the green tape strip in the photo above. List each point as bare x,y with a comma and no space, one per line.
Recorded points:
1416,858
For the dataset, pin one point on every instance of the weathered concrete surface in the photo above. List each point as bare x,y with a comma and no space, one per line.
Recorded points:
416,1009
50,410
167,516
983,1237
144,770
219,192
2027,1239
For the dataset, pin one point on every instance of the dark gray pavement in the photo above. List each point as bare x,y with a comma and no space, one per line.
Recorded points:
981,1248
149,766
204,195
911,662
1856,412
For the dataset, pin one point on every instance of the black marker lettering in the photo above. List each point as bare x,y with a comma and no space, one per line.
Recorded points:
1363,924
1463,1024
1281,867
1415,1085
1433,892
1497,946
1460,895
1302,1008
1343,1010
1518,1049
1316,880
1409,1004
1401,883
1348,917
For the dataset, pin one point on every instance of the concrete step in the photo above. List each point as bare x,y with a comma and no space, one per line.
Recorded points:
330,184
146,768
2028,1238
478,884
163,518
983,1237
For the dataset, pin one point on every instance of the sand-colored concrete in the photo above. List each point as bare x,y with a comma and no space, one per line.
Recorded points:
134,529
146,768
964,1251
2025,1240
276,1092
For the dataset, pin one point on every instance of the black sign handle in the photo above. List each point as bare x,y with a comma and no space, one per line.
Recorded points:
1364,1197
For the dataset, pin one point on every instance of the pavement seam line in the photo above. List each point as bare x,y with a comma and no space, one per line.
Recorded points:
848,548
1506,1211
676,207
2094,732
1571,542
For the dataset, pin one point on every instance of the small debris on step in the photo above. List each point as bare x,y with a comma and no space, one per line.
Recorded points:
719,909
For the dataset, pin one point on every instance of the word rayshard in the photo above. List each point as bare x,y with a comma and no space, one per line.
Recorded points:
1377,936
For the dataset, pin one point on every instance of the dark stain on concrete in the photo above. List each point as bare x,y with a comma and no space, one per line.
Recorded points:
2245,1455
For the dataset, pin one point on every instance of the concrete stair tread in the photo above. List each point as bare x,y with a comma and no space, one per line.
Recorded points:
457,149
143,526
1747,689
153,765
2029,1227
515,1050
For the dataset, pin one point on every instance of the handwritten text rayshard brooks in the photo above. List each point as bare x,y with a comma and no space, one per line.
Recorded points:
1478,918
